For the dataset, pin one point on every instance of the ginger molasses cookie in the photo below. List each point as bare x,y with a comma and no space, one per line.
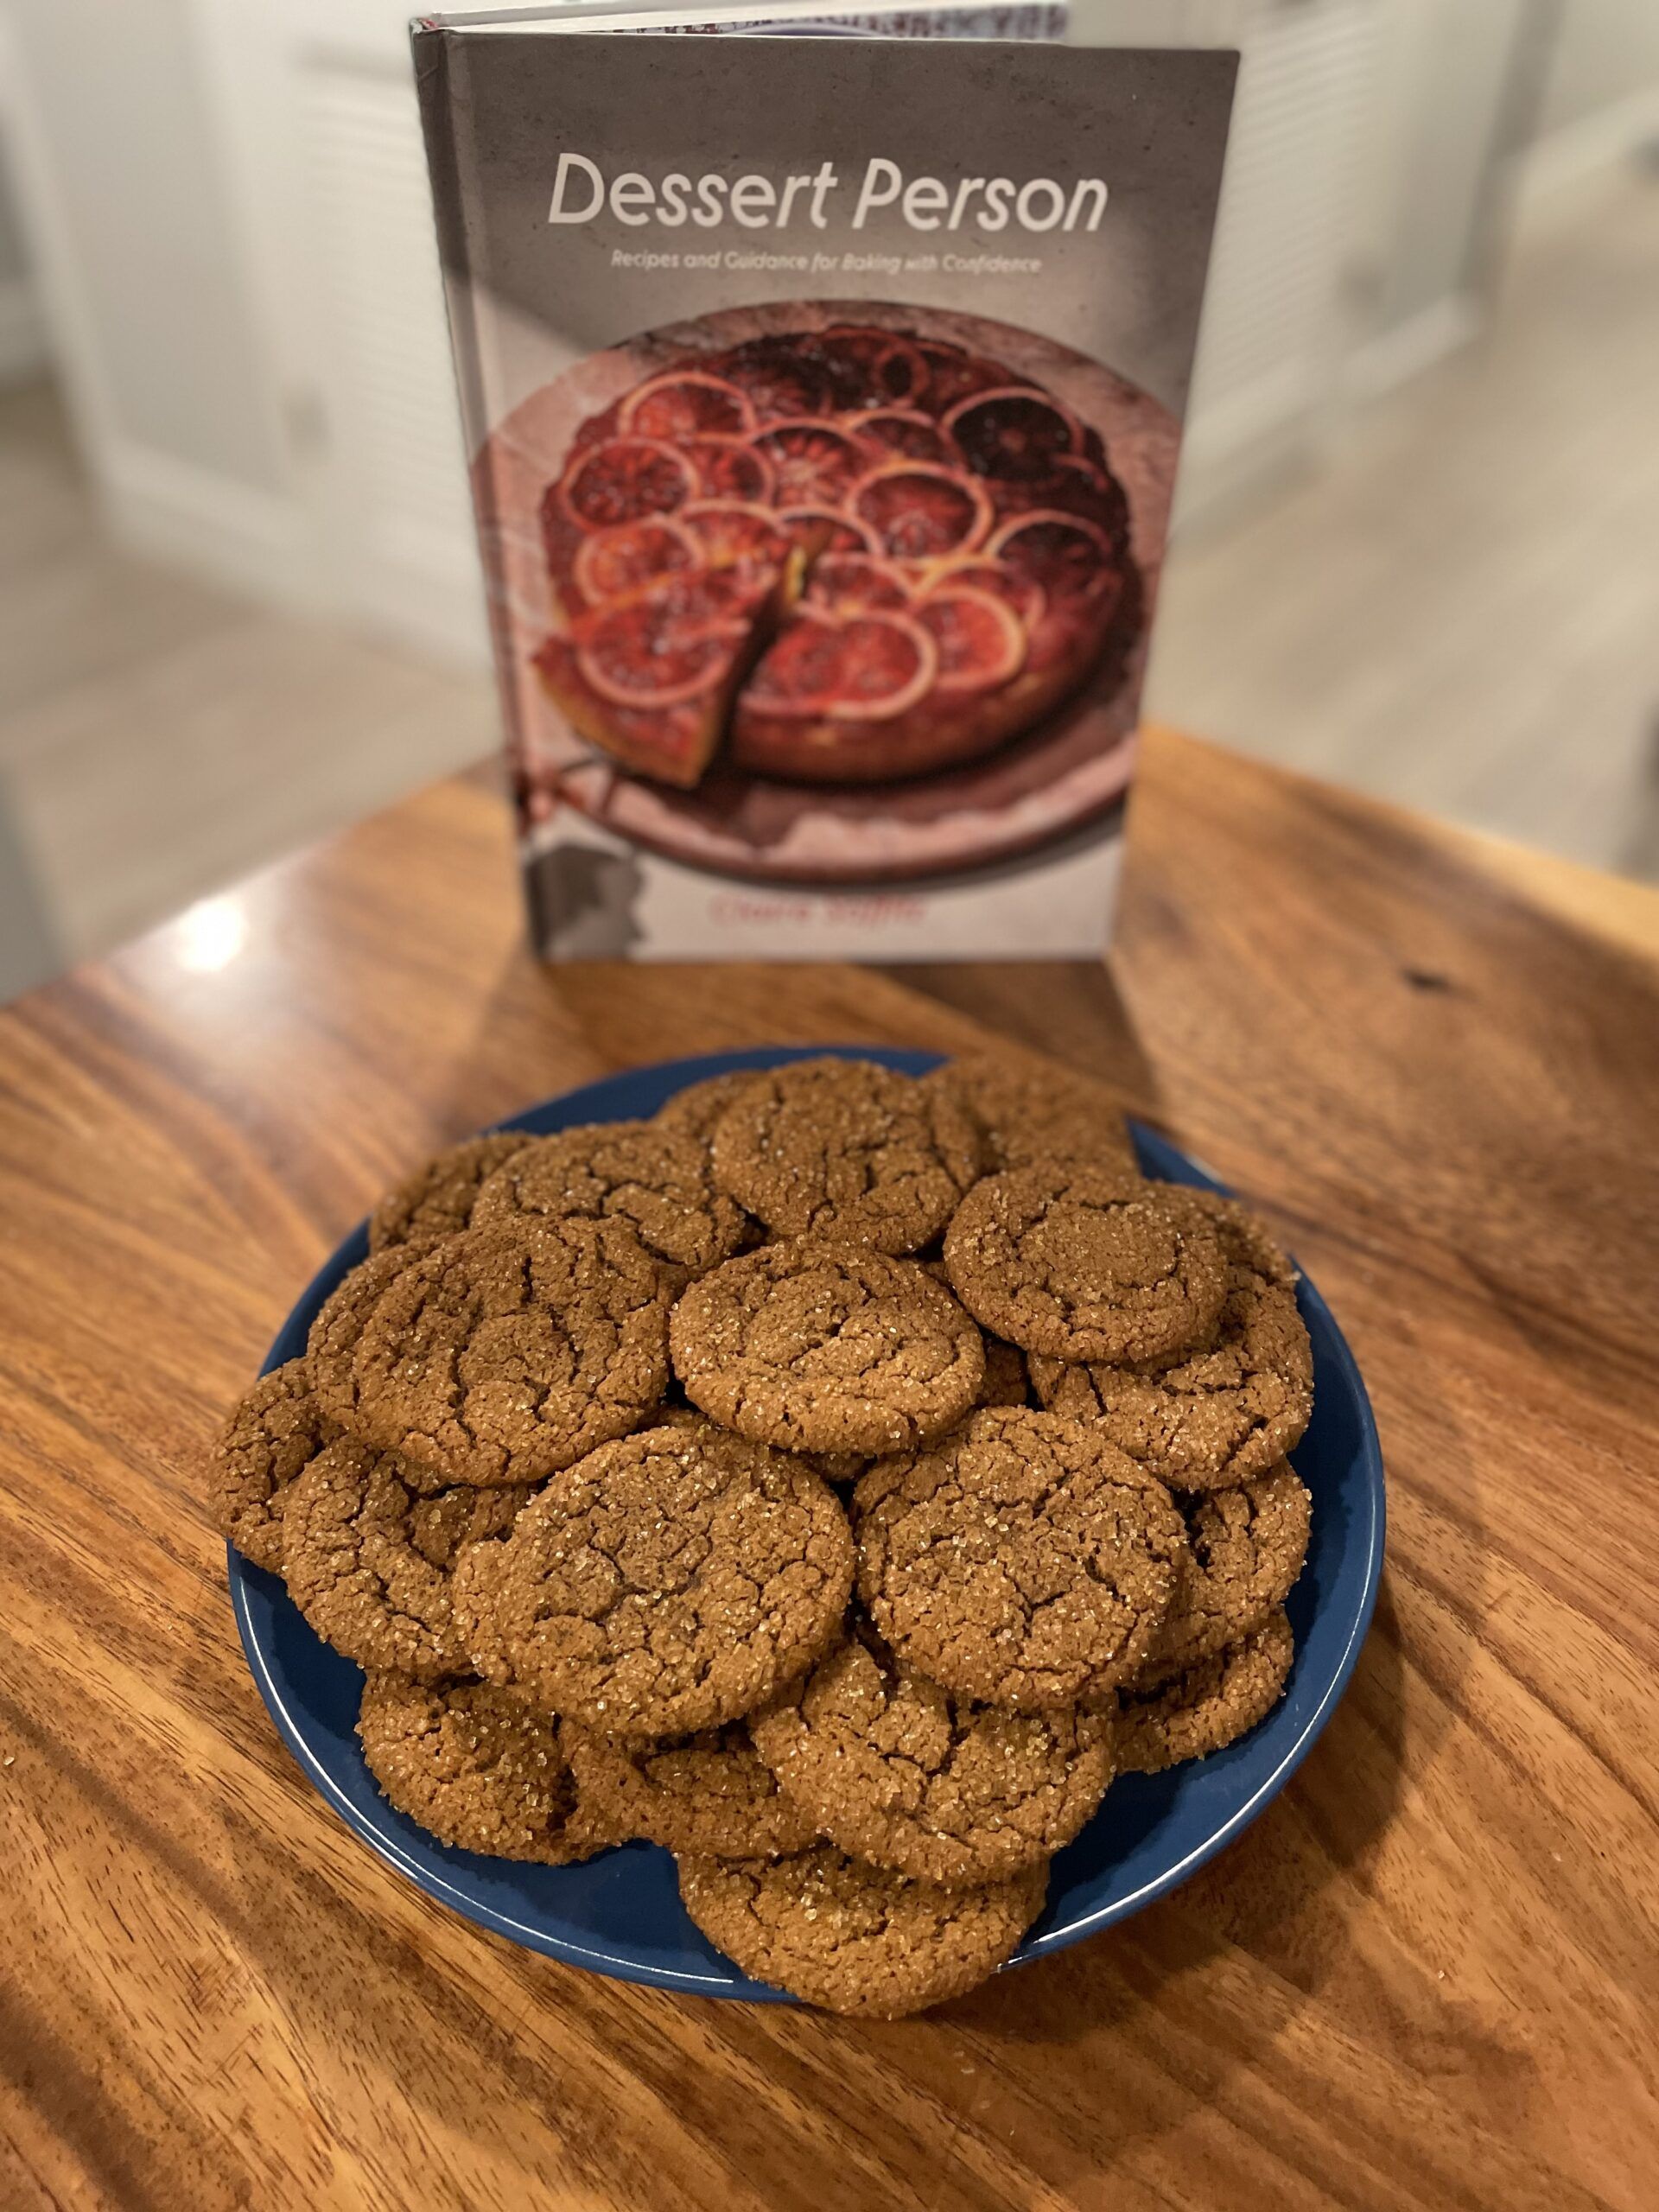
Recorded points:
368,1558
827,1348
846,1149
438,1198
475,1768
1085,1264
1019,1559
1245,1550
694,1111
1031,1111
1008,1378
667,1583
509,1351
1208,1705
1203,1419
897,1771
331,1346
1246,1240
708,1792
276,1432
840,1468
655,1180
853,1937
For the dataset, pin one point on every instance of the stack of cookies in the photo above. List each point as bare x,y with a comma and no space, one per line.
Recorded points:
837,1480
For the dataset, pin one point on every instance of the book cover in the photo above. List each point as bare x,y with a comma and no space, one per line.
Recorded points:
823,398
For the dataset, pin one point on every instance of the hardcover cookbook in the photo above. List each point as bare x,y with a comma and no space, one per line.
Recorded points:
823,396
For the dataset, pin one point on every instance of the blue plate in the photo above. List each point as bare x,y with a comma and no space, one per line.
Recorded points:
620,1913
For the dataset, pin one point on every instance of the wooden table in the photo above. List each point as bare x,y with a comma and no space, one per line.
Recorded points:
1425,1978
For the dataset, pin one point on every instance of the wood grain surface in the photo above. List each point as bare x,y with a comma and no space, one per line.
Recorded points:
1424,1979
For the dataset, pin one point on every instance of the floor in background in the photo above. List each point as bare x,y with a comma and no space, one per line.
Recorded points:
1459,612
158,738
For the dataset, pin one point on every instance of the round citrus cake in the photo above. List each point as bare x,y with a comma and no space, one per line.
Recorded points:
843,555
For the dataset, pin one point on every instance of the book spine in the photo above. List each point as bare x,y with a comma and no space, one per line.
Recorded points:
439,67
446,109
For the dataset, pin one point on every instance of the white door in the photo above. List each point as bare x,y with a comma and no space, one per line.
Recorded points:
321,142
1276,320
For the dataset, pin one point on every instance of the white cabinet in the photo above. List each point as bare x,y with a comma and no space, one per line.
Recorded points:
320,136
1279,315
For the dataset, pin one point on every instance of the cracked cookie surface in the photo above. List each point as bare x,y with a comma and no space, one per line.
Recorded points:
273,1435
855,1938
1207,1706
1245,1550
838,1349
331,1345
1017,1560
438,1198
1031,1110
1085,1264
897,1771
695,1111
656,1181
368,1558
475,1768
1205,1419
708,1792
669,1582
507,1352
846,1149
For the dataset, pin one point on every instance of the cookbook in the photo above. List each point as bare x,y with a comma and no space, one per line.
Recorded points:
821,379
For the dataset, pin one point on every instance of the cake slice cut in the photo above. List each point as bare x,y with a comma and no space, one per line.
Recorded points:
649,679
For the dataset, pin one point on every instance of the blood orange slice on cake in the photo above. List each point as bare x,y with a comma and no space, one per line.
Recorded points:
730,468
953,374
781,376
660,648
826,530
980,640
687,403
813,463
904,431
1068,556
1013,433
857,583
624,480
1078,486
862,668
986,574
738,534
919,511
651,677
621,560
874,367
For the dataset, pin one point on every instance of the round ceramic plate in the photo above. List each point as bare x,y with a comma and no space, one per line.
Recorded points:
620,1913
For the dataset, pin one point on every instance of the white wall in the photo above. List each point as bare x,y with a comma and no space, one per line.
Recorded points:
23,331
119,126
1608,51
13,261
1454,58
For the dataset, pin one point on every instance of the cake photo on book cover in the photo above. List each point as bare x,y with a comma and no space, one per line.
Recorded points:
827,589
847,554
